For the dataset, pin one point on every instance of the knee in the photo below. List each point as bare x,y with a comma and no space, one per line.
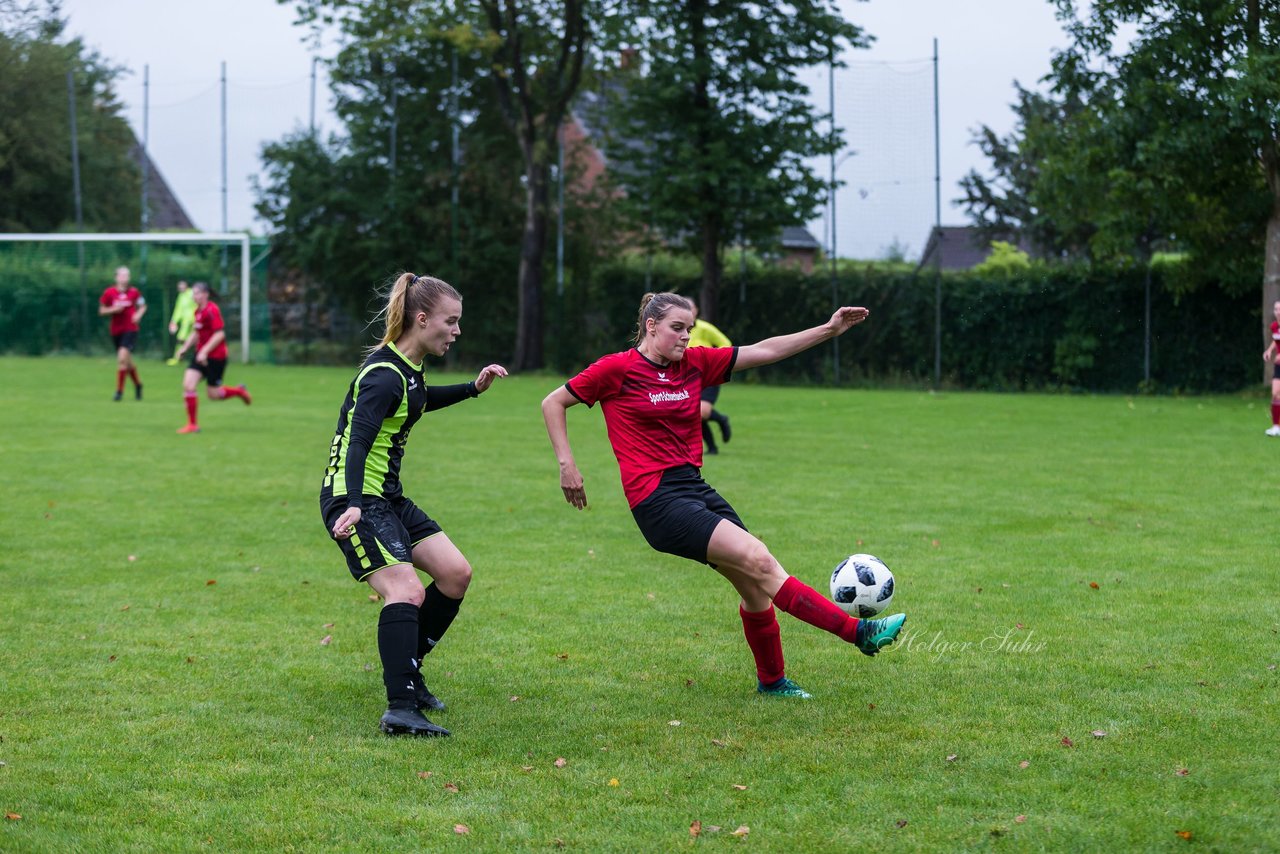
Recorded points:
408,590
759,564
454,579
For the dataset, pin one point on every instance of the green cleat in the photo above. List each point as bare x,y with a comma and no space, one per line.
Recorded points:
874,634
784,687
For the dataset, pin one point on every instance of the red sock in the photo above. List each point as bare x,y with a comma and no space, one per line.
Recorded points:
133,375
804,603
121,373
1275,412
191,401
233,391
764,636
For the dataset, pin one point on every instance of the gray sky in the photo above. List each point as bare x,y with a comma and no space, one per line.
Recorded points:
884,100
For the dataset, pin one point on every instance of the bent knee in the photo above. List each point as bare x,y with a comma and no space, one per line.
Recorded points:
454,579
759,563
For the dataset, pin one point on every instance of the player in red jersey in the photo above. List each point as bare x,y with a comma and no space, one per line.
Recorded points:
125,305
1272,356
650,397
209,360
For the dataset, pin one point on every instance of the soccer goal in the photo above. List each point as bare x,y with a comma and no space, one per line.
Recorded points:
51,282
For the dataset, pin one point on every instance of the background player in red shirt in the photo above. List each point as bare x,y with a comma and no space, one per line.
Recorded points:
1272,355
650,397
125,305
209,360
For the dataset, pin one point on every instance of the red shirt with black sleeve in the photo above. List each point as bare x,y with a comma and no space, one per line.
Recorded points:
652,411
130,298
209,321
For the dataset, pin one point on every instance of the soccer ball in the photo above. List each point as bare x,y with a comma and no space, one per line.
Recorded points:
862,585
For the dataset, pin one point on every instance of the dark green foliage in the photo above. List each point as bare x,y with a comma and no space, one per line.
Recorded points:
1059,328
36,182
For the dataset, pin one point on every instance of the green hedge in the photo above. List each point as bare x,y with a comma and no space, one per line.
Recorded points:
1056,329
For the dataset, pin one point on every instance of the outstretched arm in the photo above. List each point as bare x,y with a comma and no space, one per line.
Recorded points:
554,407
776,349
440,396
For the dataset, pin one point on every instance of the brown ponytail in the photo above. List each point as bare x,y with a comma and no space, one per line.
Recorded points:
655,307
409,295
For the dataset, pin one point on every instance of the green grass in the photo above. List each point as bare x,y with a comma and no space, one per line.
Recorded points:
163,685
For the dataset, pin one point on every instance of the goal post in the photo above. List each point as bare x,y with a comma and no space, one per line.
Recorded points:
242,241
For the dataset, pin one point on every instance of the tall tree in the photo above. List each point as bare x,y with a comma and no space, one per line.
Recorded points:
1198,81
531,53
36,186
712,126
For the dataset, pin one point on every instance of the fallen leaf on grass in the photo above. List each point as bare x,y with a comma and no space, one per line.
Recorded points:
561,762
740,787
871,707
563,656
515,698
1094,585
1066,742
326,640
695,829
111,658
374,597
673,723
1099,733
1183,834
424,774
327,626
526,767
742,830
1024,764
132,558
125,608
935,544
952,757
1182,772
451,787
718,743
461,829
12,816
900,823
1019,818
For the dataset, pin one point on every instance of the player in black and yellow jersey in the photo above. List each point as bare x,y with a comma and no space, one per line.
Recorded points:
384,535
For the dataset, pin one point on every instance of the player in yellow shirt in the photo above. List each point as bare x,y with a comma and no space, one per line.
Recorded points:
183,319
704,334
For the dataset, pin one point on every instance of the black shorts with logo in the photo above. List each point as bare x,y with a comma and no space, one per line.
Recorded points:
127,340
385,535
212,371
680,515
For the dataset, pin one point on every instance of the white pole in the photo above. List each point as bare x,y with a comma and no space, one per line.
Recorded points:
244,298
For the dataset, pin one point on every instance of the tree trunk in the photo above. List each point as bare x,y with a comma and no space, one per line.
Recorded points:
528,352
709,299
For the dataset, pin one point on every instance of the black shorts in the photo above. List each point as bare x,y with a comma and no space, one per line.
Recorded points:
385,535
1275,371
710,394
127,340
212,371
680,515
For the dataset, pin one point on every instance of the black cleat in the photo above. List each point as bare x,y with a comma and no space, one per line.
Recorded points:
726,433
118,396
708,440
137,392
409,722
428,701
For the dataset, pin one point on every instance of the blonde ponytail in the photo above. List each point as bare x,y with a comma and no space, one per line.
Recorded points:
409,295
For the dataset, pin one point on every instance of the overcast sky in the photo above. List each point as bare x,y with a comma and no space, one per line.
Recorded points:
884,100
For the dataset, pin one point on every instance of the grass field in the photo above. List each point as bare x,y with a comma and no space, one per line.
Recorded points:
1089,664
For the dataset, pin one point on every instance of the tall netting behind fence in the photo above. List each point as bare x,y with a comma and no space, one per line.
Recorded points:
884,207
49,292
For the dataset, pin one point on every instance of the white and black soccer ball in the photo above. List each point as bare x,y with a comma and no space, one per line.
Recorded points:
862,585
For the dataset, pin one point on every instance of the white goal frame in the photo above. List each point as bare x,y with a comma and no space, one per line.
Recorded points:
219,238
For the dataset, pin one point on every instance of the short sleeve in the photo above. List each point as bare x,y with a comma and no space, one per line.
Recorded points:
716,363
215,318
598,381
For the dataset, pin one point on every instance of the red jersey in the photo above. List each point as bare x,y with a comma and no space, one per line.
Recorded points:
209,321
652,412
131,298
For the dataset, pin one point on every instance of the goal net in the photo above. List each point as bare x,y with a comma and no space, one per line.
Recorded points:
50,285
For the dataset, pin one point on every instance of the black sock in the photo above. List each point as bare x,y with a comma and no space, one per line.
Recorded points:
434,618
397,639
708,441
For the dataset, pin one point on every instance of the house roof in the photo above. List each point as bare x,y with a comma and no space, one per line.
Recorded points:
960,247
164,210
798,237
